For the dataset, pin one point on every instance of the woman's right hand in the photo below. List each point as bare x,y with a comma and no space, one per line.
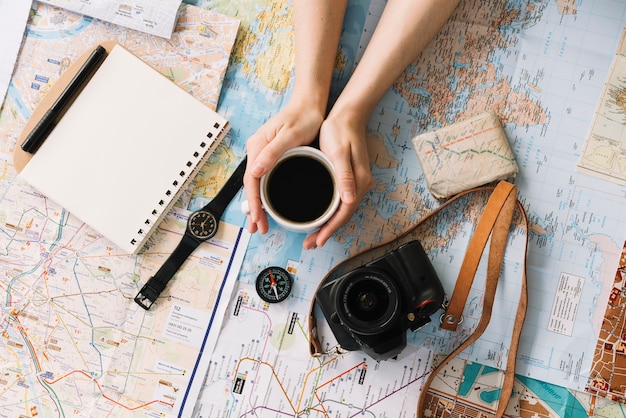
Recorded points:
298,123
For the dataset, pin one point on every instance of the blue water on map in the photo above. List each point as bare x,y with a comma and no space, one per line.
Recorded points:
558,398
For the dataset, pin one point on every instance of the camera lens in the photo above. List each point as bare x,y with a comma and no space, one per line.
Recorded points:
368,302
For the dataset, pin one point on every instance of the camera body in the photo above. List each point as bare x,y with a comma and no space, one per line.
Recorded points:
371,307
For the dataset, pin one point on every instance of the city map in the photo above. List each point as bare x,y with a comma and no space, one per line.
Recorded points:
74,343
13,17
157,18
608,376
495,55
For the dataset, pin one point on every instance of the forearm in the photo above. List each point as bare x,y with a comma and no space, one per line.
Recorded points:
317,31
405,28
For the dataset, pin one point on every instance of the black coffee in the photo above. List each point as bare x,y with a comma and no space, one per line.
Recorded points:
300,189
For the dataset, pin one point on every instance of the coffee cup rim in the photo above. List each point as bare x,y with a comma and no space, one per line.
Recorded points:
328,213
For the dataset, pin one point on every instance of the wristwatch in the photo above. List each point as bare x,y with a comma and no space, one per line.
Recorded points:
201,226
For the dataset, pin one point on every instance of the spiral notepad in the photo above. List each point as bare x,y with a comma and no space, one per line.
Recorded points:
125,150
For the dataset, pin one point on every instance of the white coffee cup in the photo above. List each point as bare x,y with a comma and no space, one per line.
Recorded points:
300,192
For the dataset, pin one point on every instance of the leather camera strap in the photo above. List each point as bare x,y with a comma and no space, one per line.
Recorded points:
494,223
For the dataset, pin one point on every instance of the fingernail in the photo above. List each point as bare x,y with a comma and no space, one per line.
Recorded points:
258,170
347,197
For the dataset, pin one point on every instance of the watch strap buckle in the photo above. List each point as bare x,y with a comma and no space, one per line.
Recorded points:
147,295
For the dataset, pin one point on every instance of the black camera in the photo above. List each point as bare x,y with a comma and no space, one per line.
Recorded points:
371,307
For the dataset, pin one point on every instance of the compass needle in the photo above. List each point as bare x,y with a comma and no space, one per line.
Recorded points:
274,284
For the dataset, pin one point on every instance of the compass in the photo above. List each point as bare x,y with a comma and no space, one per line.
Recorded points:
274,284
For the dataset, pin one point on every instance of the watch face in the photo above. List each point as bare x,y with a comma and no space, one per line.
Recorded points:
202,224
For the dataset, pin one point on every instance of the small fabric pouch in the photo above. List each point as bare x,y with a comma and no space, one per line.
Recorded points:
464,155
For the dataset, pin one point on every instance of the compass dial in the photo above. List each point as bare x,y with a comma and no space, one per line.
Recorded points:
274,284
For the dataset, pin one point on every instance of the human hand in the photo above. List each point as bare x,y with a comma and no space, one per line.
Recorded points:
343,140
298,123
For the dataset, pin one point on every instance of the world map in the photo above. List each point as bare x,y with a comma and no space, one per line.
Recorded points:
492,56
605,148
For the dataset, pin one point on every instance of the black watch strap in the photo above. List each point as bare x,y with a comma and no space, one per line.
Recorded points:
218,204
156,284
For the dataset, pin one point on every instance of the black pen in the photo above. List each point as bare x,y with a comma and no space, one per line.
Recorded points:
49,120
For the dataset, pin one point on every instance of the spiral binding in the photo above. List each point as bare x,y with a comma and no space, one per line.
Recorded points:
180,182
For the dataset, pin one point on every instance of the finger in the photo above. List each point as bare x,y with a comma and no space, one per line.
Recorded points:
344,213
345,179
252,226
310,242
255,208
269,154
251,183
263,152
262,225
341,217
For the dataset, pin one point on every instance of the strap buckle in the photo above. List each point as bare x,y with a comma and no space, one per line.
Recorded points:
147,296
334,351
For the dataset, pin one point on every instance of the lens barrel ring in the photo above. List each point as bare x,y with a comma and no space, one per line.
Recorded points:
368,301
